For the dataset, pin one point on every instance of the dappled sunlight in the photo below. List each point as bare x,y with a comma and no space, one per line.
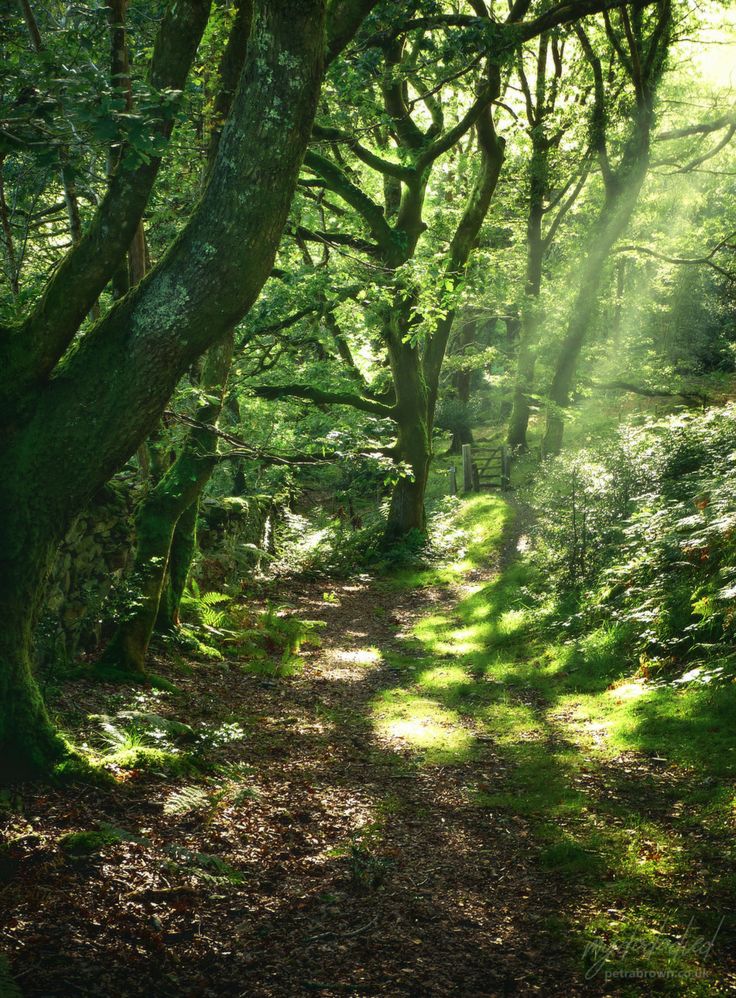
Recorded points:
350,664
444,677
422,725
628,691
512,722
556,716
357,656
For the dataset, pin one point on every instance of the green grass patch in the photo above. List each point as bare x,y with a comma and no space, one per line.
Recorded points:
463,535
565,713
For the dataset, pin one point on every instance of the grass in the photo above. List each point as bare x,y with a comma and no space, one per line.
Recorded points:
464,532
621,781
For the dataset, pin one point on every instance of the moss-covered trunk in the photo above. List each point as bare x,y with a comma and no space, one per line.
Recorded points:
28,743
157,519
413,426
414,449
66,432
181,554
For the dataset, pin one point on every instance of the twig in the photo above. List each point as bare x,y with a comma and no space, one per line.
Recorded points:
344,935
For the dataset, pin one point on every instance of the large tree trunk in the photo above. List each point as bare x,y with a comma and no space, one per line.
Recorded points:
28,743
156,522
70,433
413,438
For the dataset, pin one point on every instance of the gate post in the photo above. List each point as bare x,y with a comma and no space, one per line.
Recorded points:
505,469
467,468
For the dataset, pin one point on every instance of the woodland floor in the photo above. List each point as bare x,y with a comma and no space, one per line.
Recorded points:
357,835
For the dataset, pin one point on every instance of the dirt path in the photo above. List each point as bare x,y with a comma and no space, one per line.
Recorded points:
334,863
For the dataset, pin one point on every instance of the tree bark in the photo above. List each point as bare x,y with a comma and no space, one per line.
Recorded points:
183,546
108,394
413,438
157,519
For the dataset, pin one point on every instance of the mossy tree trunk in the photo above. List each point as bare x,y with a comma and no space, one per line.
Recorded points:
413,437
181,555
69,424
29,745
157,519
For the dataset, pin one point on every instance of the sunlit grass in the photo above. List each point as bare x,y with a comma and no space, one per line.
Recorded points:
470,535
422,725
564,714
444,678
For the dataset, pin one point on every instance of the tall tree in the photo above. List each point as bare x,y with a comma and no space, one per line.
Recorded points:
547,193
399,160
640,42
74,408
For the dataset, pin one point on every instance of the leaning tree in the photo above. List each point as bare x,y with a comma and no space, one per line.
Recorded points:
74,406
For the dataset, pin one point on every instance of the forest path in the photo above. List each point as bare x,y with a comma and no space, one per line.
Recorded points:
404,816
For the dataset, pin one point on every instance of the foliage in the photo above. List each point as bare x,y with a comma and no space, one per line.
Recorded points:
267,641
642,533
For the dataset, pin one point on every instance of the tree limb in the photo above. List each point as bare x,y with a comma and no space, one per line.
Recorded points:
321,397
33,349
706,260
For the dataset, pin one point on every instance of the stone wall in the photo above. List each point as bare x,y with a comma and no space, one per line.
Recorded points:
87,573
235,534
87,586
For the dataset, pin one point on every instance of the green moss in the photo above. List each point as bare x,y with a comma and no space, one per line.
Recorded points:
80,844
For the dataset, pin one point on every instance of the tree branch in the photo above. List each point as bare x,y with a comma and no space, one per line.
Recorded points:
371,213
706,260
321,397
701,128
370,158
626,386
33,349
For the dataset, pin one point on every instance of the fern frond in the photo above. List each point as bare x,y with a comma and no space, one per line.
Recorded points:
187,800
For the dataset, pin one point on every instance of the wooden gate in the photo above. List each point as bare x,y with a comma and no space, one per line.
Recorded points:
486,466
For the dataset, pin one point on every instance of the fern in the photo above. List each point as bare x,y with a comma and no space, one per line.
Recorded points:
214,599
118,738
207,868
187,800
